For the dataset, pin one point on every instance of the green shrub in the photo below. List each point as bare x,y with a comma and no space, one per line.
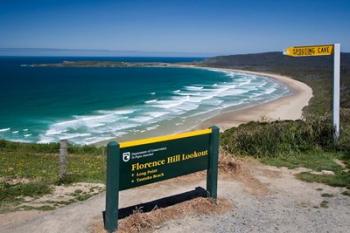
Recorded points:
51,148
274,138
28,147
341,179
10,191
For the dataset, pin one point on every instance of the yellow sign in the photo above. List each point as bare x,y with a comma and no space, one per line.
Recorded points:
307,51
164,138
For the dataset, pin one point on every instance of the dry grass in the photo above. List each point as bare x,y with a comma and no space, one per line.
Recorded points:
147,222
242,170
228,164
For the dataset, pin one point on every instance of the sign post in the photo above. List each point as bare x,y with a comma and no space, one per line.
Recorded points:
140,162
212,172
112,187
324,50
336,91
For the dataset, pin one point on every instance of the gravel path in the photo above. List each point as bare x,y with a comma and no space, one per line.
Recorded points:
274,213
289,205
265,199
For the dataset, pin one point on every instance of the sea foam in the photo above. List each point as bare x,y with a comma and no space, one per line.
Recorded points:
188,101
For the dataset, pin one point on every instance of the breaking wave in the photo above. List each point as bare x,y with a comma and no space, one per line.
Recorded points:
192,100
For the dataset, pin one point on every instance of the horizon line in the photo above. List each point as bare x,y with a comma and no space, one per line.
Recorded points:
30,52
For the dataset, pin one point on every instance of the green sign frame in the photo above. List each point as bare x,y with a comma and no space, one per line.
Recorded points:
140,162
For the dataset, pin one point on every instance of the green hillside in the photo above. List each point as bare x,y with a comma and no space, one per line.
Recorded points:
307,143
317,72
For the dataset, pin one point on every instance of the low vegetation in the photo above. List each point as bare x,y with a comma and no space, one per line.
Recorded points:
293,144
40,162
31,170
10,192
308,143
51,148
270,139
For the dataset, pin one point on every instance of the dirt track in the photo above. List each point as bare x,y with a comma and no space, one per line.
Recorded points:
264,199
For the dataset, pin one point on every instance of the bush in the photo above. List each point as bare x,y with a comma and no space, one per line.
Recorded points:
274,138
10,191
28,147
50,148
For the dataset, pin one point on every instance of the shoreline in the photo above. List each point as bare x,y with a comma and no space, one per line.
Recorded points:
288,107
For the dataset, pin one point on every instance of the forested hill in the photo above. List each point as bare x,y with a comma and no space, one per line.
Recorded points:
276,60
317,72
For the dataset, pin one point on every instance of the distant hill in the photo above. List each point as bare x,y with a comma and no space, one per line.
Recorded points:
94,52
275,60
317,72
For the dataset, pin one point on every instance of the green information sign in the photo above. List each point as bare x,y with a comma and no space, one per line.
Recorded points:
140,162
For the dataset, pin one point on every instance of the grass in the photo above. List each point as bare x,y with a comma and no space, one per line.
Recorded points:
50,148
44,166
317,161
12,195
9,191
324,204
271,139
42,208
327,195
83,197
341,179
38,165
293,144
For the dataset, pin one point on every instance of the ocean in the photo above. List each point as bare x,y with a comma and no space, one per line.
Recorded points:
90,105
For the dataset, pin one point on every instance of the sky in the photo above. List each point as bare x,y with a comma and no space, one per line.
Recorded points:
211,27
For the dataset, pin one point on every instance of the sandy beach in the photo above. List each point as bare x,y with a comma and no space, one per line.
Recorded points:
285,108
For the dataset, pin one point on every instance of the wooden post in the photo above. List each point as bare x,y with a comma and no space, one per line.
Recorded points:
63,159
110,216
212,172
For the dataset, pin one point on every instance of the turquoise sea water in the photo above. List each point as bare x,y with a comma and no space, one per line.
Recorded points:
88,105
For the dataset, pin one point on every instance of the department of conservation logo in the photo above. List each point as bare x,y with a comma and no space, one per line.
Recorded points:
126,156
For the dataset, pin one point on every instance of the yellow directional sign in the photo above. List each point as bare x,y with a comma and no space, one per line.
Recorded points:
307,51
324,50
